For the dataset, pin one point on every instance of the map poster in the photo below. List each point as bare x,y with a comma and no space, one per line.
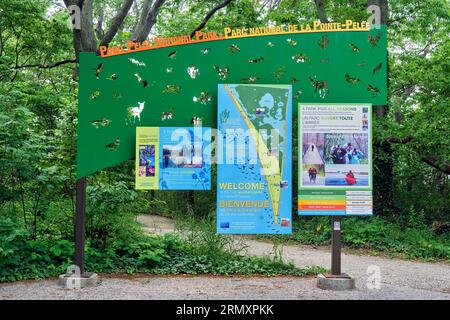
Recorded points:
254,156
169,158
335,159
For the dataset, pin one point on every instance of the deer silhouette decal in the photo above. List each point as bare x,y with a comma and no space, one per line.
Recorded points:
135,112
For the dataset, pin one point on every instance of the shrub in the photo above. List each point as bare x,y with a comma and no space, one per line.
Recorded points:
156,255
109,214
409,238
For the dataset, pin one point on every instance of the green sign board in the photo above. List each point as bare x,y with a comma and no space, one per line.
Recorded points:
177,86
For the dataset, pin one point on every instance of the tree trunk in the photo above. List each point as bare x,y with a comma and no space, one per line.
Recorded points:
88,41
383,172
321,13
99,27
190,199
117,22
147,21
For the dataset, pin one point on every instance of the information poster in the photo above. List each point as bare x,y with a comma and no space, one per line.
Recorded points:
169,158
335,159
254,150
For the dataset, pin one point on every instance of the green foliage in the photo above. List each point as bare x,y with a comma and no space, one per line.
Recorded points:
411,239
11,234
201,235
36,259
109,214
181,16
214,253
156,255
228,264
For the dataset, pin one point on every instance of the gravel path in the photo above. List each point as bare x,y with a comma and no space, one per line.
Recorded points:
399,279
204,287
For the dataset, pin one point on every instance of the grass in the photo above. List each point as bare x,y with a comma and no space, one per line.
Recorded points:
201,237
407,237
159,255
377,235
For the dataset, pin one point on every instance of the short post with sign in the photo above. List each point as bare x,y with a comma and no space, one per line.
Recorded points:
336,280
336,247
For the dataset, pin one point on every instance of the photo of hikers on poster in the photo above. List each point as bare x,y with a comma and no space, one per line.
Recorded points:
346,148
346,159
335,159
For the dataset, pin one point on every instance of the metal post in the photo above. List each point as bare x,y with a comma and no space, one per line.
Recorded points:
79,224
336,280
336,246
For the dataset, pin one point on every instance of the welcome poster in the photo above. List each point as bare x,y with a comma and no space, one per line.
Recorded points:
254,150
335,149
173,158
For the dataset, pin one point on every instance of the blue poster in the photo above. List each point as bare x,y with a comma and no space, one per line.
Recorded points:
254,159
173,158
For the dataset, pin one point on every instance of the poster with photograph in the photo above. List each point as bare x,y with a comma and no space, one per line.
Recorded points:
254,156
173,158
335,167
147,165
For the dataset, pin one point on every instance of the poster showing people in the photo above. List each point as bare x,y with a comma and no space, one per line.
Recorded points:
335,169
254,146
173,158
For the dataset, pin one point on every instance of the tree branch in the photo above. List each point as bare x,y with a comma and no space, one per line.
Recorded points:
99,27
46,66
145,10
263,5
432,161
209,16
136,10
270,4
146,22
117,22
397,140
88,40
73,2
